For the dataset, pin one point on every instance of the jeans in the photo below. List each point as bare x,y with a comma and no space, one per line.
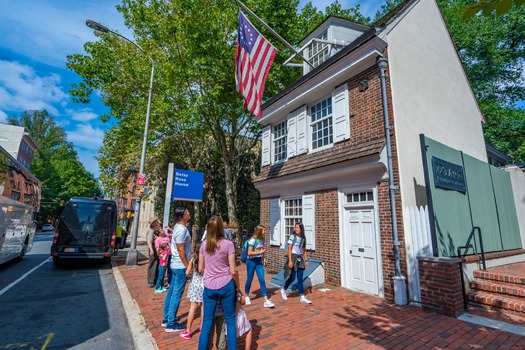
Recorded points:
255,264
172,301
160,279
290,279
227,296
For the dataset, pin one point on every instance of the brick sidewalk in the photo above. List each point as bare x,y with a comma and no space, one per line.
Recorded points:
337,318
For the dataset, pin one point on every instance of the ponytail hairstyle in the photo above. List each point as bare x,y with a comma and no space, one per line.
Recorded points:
215,233
196,255
259,232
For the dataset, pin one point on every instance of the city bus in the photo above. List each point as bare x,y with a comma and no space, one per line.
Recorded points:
20,195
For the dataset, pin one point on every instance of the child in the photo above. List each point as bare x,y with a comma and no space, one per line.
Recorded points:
195,290
162,244
219,327
242,322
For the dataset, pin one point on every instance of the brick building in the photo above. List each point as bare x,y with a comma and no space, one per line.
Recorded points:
330,160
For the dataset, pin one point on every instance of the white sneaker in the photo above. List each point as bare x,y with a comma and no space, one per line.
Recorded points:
268,303
283,294
304,300
247,301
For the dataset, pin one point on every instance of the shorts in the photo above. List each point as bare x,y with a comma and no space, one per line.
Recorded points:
117,241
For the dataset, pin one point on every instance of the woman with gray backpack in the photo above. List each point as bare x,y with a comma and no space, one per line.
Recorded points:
256,262
296,262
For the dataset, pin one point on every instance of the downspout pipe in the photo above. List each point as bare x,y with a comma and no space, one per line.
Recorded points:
400,292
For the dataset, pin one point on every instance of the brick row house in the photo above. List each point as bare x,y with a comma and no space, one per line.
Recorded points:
331,161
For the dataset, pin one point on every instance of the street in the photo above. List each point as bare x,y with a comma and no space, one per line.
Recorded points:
72,306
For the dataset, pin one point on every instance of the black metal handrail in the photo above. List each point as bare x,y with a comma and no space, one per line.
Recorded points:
467,246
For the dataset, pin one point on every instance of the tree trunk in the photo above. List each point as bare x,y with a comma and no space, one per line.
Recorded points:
231,189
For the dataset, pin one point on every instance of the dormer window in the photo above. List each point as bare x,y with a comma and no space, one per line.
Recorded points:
318,51
279,142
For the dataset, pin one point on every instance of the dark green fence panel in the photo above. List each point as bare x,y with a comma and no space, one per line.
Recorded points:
508,218
488,203
451,208
482,203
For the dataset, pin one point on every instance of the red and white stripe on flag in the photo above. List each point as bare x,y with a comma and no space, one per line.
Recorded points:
253,61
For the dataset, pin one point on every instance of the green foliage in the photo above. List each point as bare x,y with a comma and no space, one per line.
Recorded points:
492,50
55,163
487,7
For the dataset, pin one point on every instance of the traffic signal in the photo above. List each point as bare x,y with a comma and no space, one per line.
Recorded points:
128,214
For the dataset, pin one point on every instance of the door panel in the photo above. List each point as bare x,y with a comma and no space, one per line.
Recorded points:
361,257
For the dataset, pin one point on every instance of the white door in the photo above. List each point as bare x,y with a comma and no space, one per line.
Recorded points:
360,251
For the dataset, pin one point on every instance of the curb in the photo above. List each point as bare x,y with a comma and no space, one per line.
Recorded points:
142,338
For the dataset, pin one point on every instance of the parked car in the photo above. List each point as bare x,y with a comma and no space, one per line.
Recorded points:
48,227
85,230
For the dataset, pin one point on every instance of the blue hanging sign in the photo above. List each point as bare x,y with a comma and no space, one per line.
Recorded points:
187,185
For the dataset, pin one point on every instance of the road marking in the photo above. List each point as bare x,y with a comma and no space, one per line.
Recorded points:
23,276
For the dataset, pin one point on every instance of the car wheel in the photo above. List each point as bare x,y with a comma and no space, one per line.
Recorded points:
55,261
23,251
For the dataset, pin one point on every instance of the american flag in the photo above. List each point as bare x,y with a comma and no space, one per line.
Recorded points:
253,61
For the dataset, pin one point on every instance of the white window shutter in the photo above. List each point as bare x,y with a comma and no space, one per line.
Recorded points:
341,114
275,222
302,130
266,149
291,135
309,220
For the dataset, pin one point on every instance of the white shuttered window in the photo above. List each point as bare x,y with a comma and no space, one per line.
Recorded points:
285,213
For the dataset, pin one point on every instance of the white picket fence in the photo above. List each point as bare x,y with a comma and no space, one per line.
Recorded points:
418,243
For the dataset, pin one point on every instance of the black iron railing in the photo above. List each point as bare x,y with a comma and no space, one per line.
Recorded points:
466,247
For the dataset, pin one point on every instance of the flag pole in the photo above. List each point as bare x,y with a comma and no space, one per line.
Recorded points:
274,33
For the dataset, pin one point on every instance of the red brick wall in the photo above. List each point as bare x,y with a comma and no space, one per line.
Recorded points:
440,281
366,124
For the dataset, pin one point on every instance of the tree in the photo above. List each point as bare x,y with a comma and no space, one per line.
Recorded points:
55,162
487,7
194,97
492,50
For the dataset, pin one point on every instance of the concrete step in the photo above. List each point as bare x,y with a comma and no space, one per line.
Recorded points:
498,276
496,287
505,302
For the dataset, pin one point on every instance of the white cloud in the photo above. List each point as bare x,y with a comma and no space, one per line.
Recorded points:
86,137
82,115
3,117
21,88
49,30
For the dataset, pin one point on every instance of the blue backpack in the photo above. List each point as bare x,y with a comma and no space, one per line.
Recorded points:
286,245
244,251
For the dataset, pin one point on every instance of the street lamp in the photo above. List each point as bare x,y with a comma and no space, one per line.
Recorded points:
132,257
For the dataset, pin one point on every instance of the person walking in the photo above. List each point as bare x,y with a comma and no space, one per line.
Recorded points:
296,262
180,257
118,237
256,263
153,263
221,281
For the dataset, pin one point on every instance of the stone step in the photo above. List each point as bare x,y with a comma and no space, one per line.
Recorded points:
501,301
498,276
496,287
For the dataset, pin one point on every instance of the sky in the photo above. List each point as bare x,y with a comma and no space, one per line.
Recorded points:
36,36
